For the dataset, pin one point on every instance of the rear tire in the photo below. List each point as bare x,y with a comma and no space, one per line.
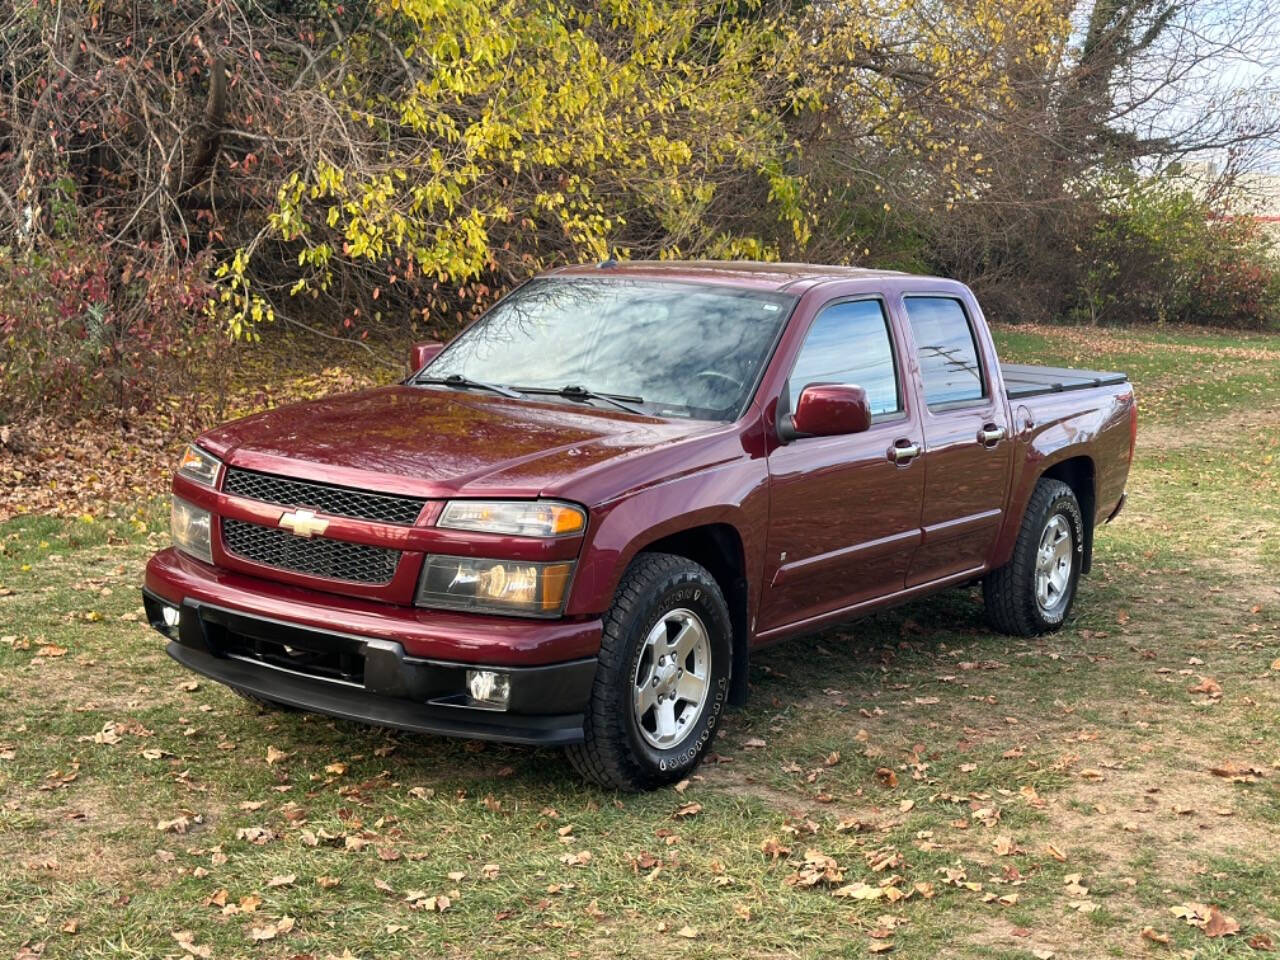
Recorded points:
662,680
1033,593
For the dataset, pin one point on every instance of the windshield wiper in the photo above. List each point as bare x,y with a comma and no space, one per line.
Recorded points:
458,380
573,391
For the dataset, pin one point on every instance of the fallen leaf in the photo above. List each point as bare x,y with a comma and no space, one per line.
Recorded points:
1209,918
858,891
887,777
1150,933
1208,686
1219,924
186,940
269,931
773,849
689,933
274,756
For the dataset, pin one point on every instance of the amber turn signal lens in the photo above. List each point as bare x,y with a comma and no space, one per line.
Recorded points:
519,518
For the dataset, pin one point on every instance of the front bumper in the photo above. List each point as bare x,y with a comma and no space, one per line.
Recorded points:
327,654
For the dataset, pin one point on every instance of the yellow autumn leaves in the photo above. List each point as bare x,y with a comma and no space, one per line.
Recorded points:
504,135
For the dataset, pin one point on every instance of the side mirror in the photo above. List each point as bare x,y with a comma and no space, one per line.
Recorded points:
828,410
420,354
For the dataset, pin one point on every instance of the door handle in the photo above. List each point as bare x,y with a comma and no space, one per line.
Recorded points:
991,434
904,451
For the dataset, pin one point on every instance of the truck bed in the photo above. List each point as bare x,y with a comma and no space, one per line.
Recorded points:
1028,380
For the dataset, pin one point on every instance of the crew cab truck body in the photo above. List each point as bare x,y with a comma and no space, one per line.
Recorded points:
573,525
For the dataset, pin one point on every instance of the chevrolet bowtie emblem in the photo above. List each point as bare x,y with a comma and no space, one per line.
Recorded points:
303,523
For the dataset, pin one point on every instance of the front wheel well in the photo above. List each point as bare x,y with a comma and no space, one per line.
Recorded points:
1078,474
718,547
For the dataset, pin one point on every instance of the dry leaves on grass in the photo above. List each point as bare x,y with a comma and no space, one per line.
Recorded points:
1208,917
271,930
817,868
1238,773
432,903
187,941
1207,686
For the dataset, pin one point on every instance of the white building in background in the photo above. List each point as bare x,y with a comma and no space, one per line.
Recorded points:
1256,193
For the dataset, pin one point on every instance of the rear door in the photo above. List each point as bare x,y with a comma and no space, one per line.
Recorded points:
967,454
845,511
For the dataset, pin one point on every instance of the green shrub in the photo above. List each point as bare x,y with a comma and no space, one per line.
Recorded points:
1160,253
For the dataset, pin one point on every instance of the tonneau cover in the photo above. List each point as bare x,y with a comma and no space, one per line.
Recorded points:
1027,380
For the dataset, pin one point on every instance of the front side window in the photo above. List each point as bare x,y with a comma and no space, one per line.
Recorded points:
849,343
673,349
948,353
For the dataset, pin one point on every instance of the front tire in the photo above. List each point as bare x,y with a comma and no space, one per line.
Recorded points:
1033,593
663,676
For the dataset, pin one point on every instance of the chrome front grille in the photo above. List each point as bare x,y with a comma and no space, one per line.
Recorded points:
317,556
323,497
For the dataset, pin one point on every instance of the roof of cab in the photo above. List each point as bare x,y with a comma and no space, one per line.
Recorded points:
790,277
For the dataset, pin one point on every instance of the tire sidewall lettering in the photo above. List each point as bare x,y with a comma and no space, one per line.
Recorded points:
685,755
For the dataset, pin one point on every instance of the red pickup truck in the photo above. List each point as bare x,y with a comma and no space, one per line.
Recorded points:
572,525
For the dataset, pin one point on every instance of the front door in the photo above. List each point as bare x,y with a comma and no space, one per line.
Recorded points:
967,450
845,512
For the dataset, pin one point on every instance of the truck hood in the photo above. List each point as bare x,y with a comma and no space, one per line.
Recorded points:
439,443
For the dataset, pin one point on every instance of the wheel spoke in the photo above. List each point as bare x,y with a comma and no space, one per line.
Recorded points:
690,687
665,718
645,697
657,640
684,640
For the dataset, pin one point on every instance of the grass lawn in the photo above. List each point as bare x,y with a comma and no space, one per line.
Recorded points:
910,783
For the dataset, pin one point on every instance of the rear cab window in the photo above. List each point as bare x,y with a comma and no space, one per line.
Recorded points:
849,343
947,350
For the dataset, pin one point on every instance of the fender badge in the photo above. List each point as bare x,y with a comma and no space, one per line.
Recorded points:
303,523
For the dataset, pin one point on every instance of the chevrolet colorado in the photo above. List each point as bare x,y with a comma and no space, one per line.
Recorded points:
572,525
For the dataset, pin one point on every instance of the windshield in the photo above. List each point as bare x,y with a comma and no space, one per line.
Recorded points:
670,349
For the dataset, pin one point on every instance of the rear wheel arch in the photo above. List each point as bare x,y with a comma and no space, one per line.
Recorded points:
1078,473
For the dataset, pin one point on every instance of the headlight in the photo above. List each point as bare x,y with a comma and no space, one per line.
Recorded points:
520,518
494,586
189,526
199,466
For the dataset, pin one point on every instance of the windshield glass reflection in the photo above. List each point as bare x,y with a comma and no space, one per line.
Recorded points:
686,350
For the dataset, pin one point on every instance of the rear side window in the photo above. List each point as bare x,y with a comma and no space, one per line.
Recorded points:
948,353
849,343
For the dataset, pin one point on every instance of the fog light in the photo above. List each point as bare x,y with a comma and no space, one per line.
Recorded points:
171,615
488,687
